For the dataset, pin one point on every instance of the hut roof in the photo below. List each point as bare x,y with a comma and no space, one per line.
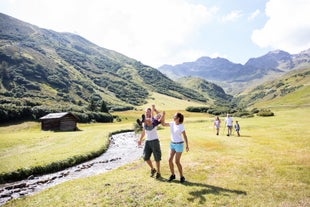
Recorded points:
55,115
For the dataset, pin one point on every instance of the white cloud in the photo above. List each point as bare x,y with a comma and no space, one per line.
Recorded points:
232,16
288,27
147,30
254,14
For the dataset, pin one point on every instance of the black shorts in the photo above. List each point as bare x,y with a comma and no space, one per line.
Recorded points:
150,147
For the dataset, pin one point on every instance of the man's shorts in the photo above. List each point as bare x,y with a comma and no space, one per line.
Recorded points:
178,147
150,147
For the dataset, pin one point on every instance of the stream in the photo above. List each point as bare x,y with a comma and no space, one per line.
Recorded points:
122,150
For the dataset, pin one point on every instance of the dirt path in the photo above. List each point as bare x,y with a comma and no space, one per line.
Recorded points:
121,146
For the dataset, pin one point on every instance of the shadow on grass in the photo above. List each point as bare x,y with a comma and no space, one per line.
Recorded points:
209,189
206,189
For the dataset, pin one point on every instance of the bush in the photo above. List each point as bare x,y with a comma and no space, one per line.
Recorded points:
243,113
219,110
11,112
255,110
93,116
265,112
202,109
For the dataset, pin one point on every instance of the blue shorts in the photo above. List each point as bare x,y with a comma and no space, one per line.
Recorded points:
178,147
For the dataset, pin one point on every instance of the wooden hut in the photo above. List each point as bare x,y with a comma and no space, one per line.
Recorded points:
64,121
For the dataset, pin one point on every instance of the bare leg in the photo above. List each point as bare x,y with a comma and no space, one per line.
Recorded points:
149,162
158,166
178,163
229,130
171,166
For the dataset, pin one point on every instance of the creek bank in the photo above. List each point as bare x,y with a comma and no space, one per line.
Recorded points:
122,150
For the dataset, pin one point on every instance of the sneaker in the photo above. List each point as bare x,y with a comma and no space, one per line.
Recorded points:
153,171
182,179
143,118
139,122
158,175
172,177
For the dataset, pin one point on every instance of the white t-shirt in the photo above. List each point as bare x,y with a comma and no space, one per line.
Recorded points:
176,132
217,123
151,134
229,121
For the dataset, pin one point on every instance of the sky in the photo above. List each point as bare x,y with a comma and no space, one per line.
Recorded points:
158,32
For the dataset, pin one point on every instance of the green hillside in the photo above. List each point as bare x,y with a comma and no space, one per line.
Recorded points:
289,90
212,92
53,71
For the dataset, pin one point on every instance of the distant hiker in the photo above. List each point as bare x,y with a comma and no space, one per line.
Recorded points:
237,128
151,146
152,122
217,124
229,124
177,143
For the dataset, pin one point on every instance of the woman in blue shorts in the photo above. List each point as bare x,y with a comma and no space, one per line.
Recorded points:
177,143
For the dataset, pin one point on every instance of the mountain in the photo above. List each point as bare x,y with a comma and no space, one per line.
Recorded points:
40,67
234,78
289,90
214,94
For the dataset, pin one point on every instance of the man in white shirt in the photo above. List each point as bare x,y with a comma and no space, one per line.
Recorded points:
229,124
152,145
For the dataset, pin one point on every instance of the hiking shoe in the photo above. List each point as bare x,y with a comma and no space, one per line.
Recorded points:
158,175
172,177
182,179
153,171
139,122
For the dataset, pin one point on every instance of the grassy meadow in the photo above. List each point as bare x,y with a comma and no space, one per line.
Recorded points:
269,165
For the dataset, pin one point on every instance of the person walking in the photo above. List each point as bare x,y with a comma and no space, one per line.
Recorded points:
237,128
217,124
229,124
177,144
152,145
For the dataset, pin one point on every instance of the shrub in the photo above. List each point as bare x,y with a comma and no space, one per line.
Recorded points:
255,110
242,114
265,112
203,109
219,110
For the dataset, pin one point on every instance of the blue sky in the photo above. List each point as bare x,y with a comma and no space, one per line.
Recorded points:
158,32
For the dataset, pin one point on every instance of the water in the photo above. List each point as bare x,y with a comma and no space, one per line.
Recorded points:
122,150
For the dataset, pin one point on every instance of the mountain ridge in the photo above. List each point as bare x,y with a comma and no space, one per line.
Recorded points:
234,77
43,70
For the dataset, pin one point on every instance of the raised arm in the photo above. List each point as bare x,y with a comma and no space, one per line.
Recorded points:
162,119
154,110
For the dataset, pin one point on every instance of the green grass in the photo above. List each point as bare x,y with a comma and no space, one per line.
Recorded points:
25,146
268,165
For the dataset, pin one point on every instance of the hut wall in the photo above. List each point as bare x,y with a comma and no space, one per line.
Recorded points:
67,123
50,124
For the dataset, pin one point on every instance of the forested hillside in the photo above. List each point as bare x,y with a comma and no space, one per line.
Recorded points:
44,71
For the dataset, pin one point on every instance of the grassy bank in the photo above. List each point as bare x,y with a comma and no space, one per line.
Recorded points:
26,150
268,165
